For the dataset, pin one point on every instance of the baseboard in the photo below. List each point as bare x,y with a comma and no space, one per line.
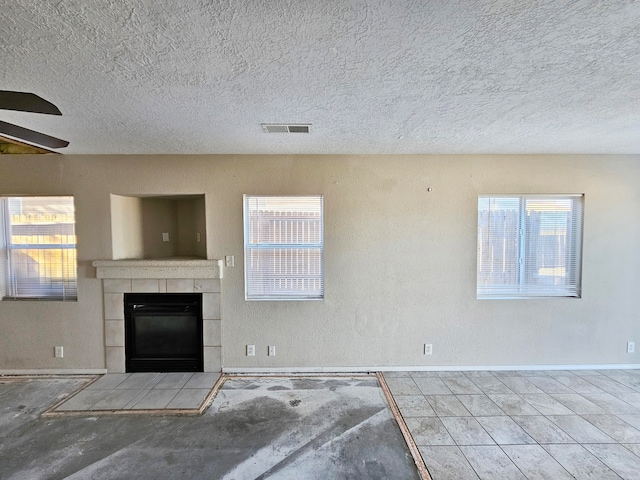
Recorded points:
55,371
355,369
423,368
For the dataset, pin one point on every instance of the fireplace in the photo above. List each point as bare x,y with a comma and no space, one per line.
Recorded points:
163,332
122,277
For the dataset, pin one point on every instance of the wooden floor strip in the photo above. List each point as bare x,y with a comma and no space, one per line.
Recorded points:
413,448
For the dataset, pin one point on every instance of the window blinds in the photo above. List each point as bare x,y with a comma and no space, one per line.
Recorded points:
40,244
284,247
529,246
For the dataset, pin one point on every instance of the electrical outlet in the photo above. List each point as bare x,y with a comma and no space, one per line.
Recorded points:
428,348
272,350
58,352
229,261
631,347
251,350
165,236
198,237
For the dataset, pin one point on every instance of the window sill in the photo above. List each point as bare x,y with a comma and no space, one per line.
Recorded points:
525,297
282,299
39,299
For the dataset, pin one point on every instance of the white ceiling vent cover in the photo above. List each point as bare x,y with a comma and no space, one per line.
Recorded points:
286,128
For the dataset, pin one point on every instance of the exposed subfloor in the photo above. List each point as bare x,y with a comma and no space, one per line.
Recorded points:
552,425
281,428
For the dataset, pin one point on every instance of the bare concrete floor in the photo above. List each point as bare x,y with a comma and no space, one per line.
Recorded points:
281,428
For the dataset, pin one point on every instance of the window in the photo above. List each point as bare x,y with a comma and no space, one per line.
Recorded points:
283,239
39,243
529,246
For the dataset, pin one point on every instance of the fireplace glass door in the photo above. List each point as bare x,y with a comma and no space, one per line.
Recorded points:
163,332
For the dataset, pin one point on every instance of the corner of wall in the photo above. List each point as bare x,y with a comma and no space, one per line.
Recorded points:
3,254
126,227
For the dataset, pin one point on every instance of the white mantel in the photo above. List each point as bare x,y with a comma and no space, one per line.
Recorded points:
161,268
172,275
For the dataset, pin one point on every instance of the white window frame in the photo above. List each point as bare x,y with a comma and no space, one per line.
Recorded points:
259,286
11,287
567,283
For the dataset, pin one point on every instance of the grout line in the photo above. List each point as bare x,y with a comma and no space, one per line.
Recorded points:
510,459
135,399
50,410
413,448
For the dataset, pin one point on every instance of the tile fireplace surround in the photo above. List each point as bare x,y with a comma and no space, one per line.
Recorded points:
160,276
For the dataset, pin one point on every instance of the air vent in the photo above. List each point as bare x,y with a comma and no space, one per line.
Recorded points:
284,128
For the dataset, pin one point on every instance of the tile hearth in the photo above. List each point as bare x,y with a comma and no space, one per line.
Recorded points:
141,392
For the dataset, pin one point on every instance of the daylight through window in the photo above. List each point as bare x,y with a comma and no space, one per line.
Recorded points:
284,246
39,248
529,246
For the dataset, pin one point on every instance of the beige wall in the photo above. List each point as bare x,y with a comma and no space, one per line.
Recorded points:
126,232
3,254
159,216
399,261
191,218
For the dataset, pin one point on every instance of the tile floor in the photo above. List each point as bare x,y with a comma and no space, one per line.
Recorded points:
142,391
523,424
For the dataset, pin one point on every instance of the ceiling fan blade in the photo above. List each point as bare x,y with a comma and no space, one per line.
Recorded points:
31,136
9,146
26,102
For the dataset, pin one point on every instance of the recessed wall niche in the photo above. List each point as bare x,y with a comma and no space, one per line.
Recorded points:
161,226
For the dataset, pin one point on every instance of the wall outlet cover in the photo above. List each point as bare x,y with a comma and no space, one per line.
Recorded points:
272,350
428,348
631,347
251,350
58,352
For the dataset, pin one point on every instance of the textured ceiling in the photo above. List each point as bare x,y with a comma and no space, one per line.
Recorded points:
396,76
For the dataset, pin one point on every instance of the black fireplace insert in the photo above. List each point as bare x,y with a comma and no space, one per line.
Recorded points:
163,332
